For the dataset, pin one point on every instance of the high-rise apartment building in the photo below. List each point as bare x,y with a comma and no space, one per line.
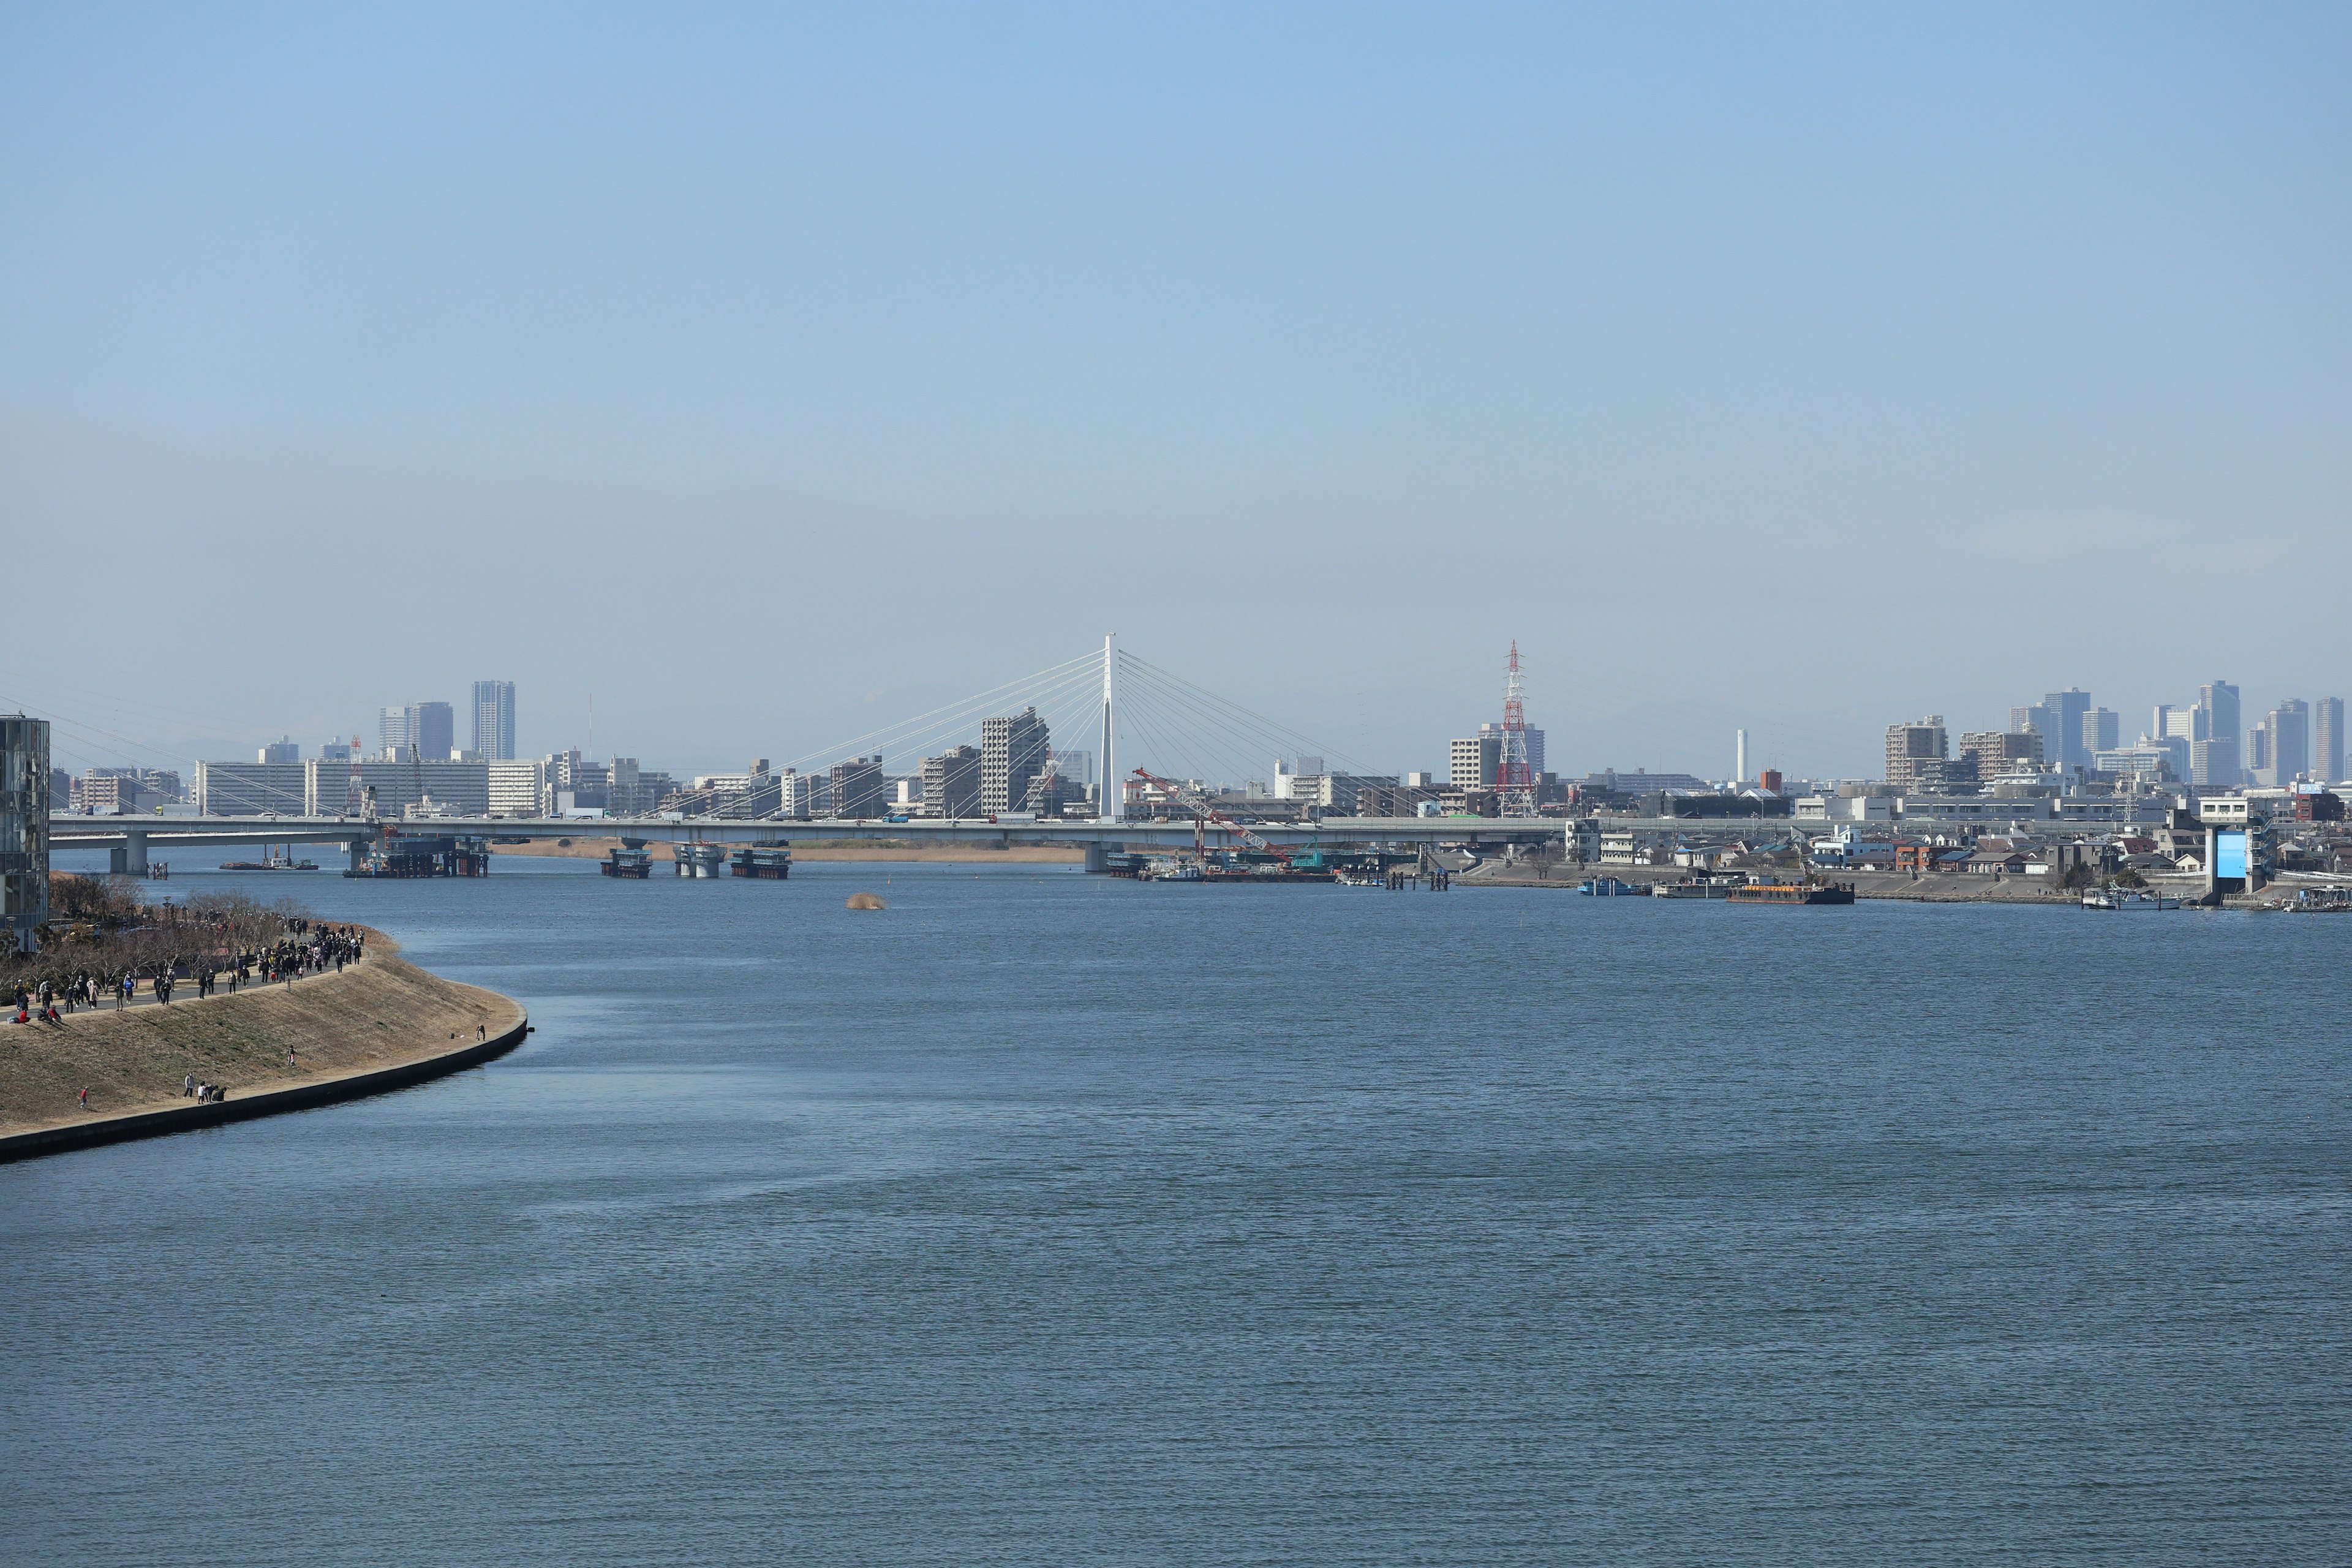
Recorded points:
2258,753
494,726
1472,760
2215,765
257,789
24,829
1909,745
952,782
1012,751
519,789
1990,753
2327,738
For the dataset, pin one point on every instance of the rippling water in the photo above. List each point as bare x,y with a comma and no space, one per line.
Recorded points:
1047,1218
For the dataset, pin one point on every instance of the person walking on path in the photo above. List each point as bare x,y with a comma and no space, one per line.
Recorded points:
85,1099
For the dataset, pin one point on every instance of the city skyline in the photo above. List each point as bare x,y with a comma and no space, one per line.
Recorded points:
1692,754
1397,327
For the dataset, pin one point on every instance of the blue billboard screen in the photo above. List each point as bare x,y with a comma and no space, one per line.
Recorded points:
2229,855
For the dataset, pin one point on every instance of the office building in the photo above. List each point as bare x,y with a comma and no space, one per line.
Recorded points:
1472,760
395,731
494,726
2283,739
2061,728
24,829
339,750
952,782
280,751
2102,731
1535,747
2327,738
427,729
858,787
1078,767
1012,751
2215,765
1910,746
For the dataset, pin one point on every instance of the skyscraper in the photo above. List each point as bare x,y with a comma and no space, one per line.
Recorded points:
2327,738
1011,751
2063,740
2101,729
2285,735
2213,755
494,727
429,728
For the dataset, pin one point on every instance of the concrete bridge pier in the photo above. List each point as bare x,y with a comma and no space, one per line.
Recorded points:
1097,855
358,848
127,859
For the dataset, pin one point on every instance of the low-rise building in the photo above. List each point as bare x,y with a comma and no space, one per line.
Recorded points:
1995,862
1844,808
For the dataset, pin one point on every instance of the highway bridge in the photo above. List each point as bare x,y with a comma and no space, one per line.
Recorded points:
130,840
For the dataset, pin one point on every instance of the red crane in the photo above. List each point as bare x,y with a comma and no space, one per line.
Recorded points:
1197,804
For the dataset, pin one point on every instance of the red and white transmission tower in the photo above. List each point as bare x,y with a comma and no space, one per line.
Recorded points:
1515,780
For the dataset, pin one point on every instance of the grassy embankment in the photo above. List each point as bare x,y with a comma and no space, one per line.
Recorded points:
382,1012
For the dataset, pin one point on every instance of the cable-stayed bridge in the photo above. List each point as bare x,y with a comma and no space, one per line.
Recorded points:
1131,714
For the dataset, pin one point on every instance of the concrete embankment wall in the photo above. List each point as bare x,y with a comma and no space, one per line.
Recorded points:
381,1025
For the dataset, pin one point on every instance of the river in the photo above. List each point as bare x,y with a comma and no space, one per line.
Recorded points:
1049,1218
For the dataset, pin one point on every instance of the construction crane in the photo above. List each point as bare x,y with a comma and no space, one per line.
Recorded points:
1197,804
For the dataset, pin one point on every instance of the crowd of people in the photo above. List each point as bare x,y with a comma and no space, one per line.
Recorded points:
307,947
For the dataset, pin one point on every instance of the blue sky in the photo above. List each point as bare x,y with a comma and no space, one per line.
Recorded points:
769,372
